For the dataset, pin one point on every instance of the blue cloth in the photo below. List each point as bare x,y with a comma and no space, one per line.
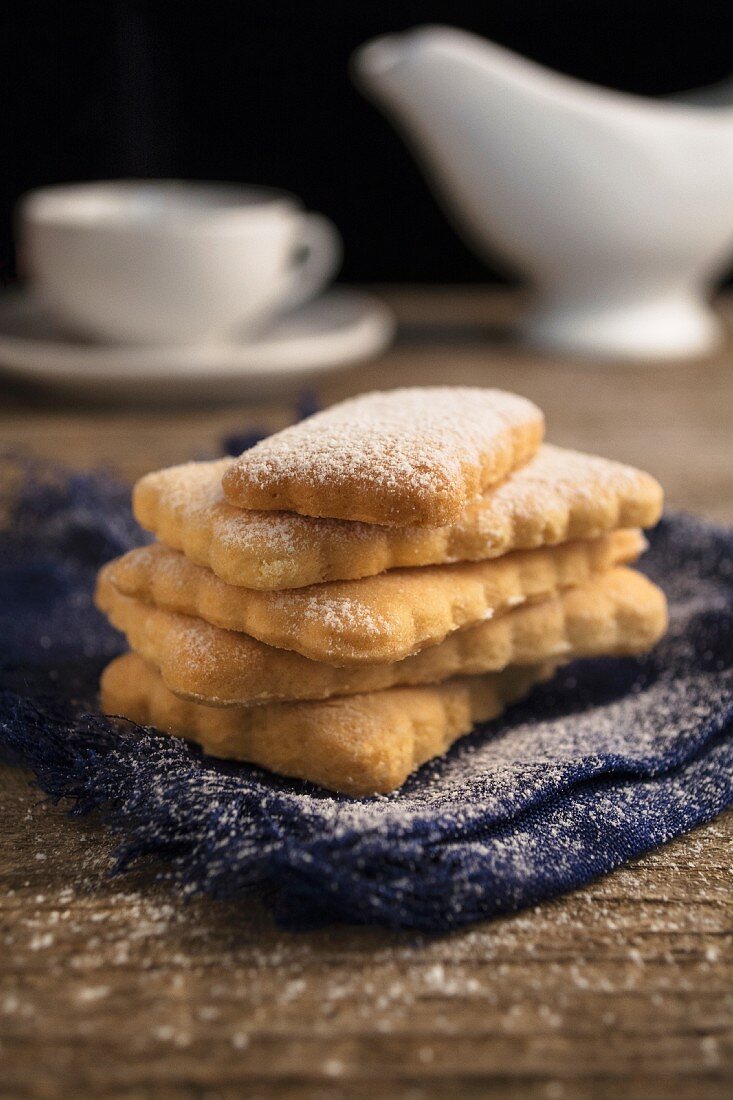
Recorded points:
610,759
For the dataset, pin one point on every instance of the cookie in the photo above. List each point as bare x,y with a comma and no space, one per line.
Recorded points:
374,620
557,496
361,745
618,612
409,457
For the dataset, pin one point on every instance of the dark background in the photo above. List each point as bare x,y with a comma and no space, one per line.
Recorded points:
259,92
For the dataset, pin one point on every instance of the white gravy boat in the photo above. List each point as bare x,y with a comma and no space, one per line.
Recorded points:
618,208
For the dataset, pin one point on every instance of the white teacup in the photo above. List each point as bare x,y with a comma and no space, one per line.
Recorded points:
169,262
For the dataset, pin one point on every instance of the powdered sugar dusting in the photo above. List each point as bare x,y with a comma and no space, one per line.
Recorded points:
429,442
559,477
193,492
424,434
191,487
339,614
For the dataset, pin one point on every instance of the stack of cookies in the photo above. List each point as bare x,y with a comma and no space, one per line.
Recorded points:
353,594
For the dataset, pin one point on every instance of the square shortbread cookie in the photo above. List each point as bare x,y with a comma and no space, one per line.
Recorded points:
375,619
408,457
557,496
360,745
618,612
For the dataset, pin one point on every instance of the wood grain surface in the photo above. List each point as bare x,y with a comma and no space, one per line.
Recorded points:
114,987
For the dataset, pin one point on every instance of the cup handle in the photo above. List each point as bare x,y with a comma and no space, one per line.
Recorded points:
320,242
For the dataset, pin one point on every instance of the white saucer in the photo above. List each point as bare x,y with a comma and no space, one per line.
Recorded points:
339,328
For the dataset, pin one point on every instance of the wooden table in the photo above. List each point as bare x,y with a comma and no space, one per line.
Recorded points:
113,987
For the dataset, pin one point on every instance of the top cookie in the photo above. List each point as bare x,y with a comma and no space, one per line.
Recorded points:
404,458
